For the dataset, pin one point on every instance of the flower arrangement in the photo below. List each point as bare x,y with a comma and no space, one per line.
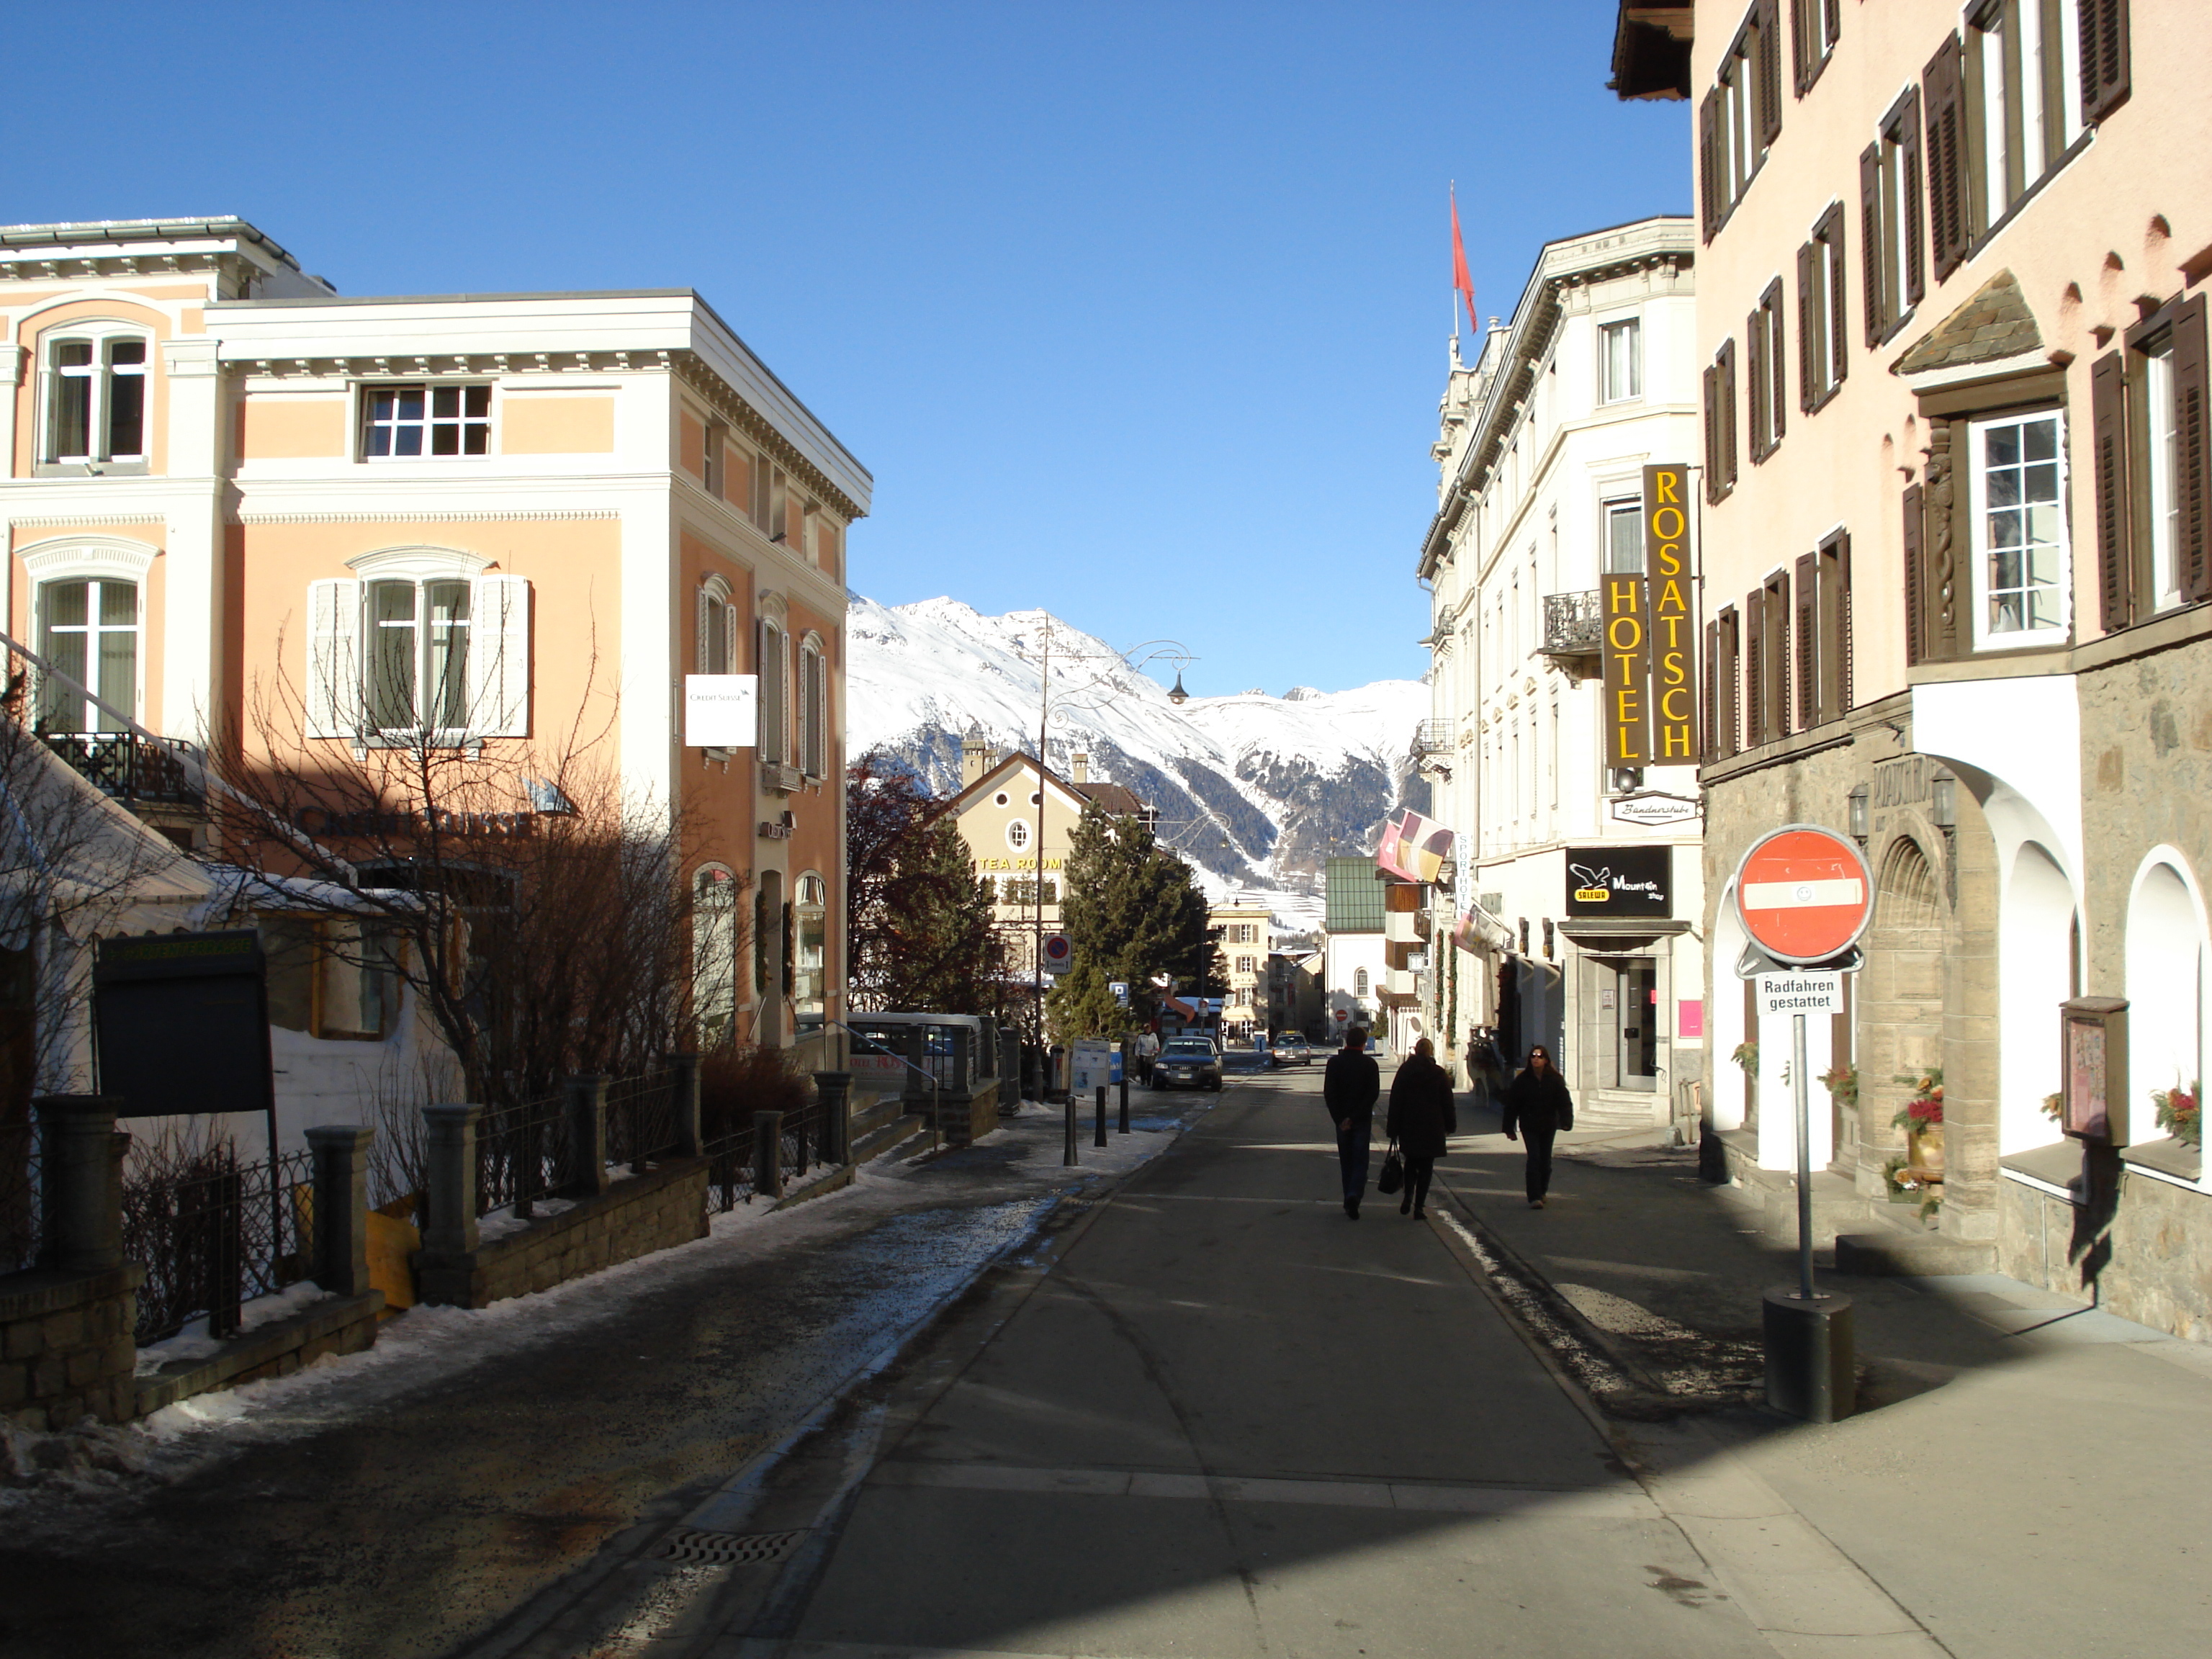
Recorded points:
1842,1082
2051,1109
1924,1110
2178,1112
1747,1055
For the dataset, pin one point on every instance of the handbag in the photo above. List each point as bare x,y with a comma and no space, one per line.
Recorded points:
1394,1172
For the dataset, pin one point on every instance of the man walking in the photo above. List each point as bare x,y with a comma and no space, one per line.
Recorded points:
1539,1102
1350,1087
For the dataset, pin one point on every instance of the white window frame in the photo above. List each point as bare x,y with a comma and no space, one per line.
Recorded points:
813,707
2007,46
106,559
2163,474
1630,329
102,335
1611,512
715,890
1979,510
340,644
428,423
774,667
1019,836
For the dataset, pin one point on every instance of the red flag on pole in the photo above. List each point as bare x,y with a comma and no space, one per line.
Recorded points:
1460,280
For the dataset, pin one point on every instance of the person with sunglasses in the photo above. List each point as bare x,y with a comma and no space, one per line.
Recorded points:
1537,1104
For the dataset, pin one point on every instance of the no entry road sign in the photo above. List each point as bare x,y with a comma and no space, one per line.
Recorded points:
1804,894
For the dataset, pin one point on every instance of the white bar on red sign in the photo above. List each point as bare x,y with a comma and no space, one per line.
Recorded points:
1802,895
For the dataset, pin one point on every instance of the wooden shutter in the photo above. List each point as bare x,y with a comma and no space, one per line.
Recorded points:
2192,434
332,699
1916,628
1838,608
1870,272
499,657
1908,161
1727,386
1770,71
773,723
2108,463
1835,11
1776,694
1726,672
2104,58
1808,640
1944,92
1754,668
1839,342
1807,322
1709,742
1709,162
1802,54
1754,340
1713,485
1778,341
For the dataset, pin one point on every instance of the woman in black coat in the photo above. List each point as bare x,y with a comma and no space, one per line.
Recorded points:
1538,1102
1421,1115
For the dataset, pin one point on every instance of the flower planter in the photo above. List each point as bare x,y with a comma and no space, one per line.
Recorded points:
1924,1155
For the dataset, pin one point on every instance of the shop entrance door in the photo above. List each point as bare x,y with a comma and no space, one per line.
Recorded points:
1636,1024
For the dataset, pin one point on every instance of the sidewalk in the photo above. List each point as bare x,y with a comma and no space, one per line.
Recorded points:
2025,1476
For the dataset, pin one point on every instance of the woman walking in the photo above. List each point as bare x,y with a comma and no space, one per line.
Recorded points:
1421,1115
1539,1103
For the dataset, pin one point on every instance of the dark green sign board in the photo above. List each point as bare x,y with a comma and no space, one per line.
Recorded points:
180,1023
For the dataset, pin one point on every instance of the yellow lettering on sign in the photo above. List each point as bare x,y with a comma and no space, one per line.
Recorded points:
1673,620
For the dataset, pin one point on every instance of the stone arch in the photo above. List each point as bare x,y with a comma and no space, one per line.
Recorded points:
2169,982
2035,974
1899,1008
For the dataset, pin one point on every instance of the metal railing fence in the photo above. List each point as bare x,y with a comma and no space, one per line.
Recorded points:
523,1154
642,1117
216,1237
21,1197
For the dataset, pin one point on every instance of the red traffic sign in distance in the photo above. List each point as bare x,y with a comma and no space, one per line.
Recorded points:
1804,894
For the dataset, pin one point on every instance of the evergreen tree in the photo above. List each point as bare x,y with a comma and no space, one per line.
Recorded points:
1131,911
920,932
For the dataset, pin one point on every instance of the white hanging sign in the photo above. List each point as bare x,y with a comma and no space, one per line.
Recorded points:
721,711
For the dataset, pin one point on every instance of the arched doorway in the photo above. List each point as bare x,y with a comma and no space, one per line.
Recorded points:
1900,1007
2167,975
2035,958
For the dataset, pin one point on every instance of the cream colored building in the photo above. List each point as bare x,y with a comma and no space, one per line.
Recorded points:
1958,539
1246,935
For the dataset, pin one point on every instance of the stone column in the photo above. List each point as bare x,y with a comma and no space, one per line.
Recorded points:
685,1105
587,1135
83,1177
835,1089
340,1256
964,1062
451,1159
768,1154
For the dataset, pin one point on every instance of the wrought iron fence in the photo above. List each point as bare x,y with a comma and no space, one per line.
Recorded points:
733,1166
129,767
1573,625
642,1117
215,1238
21,1197
523,1154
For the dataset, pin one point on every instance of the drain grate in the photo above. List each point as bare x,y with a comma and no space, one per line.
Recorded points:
728,1548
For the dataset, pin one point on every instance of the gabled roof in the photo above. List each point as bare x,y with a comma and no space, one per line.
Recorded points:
1107,797
1993,325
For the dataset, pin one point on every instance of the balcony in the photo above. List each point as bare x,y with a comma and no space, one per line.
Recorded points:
140,772
1432,737
1573,625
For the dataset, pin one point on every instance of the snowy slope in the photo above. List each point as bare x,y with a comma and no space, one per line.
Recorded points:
1256,790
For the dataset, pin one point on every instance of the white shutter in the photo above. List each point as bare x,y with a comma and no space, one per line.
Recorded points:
499,657
332,694
773,724
704,628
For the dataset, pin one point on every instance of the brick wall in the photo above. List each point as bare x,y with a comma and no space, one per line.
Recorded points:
663,1207
66,1351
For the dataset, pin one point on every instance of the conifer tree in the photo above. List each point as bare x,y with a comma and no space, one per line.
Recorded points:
1131,911
921,931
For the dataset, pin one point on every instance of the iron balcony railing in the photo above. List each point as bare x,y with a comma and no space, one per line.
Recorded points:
131,769
1573,625
1432,737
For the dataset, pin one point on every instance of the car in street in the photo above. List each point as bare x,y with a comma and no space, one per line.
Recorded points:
1188,1062
1292,1049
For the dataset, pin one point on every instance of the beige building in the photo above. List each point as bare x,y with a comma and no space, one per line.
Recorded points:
1957,540
1245,933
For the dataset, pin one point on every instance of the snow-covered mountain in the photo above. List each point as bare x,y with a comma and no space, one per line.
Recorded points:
1256,790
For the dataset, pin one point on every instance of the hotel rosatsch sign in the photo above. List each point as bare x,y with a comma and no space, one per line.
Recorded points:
1650,637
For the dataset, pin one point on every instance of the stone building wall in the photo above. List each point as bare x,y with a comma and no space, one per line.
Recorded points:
66,1350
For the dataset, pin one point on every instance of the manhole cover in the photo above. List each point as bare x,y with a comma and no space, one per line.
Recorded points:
730,1549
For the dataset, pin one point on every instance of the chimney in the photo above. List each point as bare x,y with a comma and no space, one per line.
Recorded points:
1082,767
975,758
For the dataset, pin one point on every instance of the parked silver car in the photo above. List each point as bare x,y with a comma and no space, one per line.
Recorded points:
1290,1049
1188,1062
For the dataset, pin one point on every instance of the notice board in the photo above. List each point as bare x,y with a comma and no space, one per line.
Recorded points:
180,1023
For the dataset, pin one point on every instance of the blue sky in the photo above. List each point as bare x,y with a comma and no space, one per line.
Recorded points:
1135,311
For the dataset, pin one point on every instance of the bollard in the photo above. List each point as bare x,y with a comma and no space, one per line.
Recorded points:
1069,1157
1125,1101
1098,1133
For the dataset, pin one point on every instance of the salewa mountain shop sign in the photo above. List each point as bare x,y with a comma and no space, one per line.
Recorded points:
1620,881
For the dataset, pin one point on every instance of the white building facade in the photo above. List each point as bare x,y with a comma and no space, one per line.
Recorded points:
1571,917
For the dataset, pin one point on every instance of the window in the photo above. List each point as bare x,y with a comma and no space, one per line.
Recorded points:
775,722
1720,423
1823,632
1247,964
716,643
1822,342
810,984
1018,833
88,631
96,398
1766,341
1766,662
713,466
2015,476
1360,981
714,955
404,423
1723,659
333,977
1814,27
1621,355
1889,220
813,709
418,648
2153,476
2023,97
1624,537
1741,115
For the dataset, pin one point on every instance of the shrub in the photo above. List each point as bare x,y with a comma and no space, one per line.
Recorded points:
735,1082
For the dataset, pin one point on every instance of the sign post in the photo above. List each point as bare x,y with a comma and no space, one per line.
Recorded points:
1804,895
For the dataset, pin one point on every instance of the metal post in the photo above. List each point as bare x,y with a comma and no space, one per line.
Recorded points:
1125,1097
1069,1156
1098,1133
1804,1157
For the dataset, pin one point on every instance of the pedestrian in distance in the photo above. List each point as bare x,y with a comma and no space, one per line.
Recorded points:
1539,1105
1349,1087
1422,1116
1148,1050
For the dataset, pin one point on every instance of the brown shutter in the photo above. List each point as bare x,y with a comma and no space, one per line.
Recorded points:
1915,256
2104,58
1870,240
1944,89
1712,429
1754,668
1731,683
1840,365
1777,658
1709,162
1754,341
1840,625
1769,306
1728,410
1835,9
1801,44
1916,628
1806,323
1808,640
2192,443
2108,462
1770,71
1708,740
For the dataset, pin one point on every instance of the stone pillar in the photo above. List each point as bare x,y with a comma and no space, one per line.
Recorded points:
587,1135
340,1255
964,1062
835,1089
768,1154
914,1046
1009,1067
685,1105
450,1160
82,1154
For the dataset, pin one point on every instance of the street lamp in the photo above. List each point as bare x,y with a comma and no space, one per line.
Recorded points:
1178,696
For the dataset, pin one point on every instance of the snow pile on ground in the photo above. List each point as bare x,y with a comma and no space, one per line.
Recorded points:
193,1342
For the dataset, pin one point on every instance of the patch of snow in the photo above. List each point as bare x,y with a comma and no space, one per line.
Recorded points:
193,1342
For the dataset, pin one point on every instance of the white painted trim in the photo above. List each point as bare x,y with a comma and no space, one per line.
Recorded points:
61,556
417,562
2038,1185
